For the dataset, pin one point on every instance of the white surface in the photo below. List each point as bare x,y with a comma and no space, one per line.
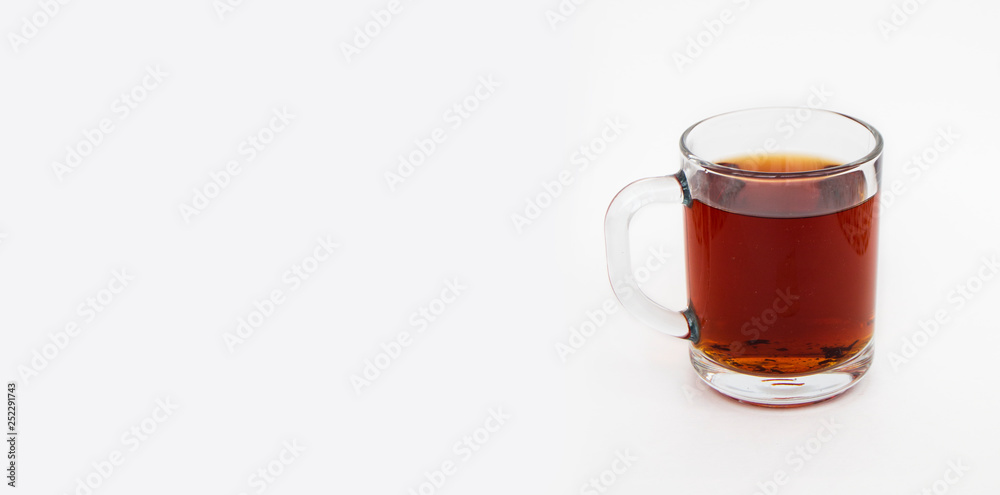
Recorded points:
627,388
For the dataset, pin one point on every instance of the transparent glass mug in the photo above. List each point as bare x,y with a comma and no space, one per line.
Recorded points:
781,233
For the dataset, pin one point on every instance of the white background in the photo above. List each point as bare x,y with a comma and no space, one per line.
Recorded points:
626,388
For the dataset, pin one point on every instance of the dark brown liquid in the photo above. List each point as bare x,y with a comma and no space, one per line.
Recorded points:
782,295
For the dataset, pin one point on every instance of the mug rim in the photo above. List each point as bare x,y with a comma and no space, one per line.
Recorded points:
872,154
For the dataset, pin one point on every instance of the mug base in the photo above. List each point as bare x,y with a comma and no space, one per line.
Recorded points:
782,390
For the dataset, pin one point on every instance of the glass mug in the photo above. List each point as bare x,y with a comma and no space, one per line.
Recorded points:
781,233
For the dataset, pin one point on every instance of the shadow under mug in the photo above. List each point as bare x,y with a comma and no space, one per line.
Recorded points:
781,262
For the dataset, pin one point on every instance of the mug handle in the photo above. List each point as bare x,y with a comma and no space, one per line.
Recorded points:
671,189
